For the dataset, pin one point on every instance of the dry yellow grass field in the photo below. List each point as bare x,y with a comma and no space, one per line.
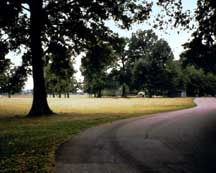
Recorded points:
83,105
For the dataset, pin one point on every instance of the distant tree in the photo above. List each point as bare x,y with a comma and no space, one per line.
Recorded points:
174,79
16,80
195,81
95,63
141,45
210,84
149,58
140,48
59,70
199,83
12,78
112,82
121,69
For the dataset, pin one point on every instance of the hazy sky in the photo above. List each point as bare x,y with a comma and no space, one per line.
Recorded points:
174,39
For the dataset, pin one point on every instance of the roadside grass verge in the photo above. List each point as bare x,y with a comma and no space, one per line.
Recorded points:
29,145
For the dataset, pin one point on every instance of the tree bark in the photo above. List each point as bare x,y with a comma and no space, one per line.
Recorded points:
99,95
150,93
39,106
9,95
123,91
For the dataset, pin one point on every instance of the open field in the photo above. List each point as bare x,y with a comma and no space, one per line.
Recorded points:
28,145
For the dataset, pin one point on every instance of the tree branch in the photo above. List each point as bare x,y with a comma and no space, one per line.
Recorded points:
23,7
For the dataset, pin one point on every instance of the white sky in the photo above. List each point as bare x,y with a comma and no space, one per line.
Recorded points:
174,39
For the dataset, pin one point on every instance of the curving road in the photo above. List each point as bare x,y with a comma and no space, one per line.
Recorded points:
174,142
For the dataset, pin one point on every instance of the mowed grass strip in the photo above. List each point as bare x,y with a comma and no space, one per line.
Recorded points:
29,145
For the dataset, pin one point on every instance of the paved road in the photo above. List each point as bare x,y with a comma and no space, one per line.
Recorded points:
175,142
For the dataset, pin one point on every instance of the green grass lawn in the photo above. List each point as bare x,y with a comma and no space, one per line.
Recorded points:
29,145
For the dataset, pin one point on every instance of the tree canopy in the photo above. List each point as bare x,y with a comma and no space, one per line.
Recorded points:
59,70
201,50
98,59
149,57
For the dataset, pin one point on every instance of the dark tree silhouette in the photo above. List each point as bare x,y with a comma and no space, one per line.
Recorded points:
98,59
12,78
201,50
148,58
59,70
122,62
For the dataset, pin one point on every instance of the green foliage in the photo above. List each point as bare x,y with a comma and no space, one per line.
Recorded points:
210,84
205,15
148,59
201,50
15,81
199,54
76,24
141,44
59,70
12,78
98,59
120,76
174,79
199,83
195,81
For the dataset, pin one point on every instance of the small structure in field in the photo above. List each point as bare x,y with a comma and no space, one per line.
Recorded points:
141,94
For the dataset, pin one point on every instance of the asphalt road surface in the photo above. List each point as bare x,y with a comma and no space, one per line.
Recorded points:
174,142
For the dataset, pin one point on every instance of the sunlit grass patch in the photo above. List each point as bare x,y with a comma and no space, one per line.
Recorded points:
28,145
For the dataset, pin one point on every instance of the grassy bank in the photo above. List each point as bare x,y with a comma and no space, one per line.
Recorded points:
28,145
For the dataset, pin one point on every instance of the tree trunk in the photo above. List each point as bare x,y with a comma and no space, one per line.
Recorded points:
53,95
150,93
123,90
9,95
68,95
99,94
39,106
59,95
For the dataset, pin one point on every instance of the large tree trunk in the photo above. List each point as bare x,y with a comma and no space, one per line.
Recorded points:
39,106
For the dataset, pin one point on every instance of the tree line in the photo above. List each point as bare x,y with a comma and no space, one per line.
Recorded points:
143,63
